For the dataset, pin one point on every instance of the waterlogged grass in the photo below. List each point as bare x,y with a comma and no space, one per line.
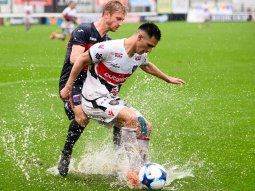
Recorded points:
205,126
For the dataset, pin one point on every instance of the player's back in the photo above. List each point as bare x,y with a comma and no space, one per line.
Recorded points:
84,35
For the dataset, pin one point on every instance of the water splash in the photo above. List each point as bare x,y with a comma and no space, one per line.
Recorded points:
108,161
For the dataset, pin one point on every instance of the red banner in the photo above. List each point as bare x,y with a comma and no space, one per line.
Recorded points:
34,2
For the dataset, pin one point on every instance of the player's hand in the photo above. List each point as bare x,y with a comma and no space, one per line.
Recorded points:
65,92
175,80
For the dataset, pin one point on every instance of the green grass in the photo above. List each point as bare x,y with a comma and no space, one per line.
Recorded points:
207,125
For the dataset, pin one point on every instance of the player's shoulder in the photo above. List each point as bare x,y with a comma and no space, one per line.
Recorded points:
85,26
66,9
140,58
111,45
115,42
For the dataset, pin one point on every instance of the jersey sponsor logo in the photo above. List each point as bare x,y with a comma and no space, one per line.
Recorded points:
118,55
77,99
115,78
114,65
101,46
137,58
80,30
110,76
114,92
92,39
110,113
98,56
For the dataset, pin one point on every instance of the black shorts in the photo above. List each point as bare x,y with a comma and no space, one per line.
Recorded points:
75,98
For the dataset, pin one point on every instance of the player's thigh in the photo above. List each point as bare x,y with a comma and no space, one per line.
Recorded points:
80,116
127,117
131,118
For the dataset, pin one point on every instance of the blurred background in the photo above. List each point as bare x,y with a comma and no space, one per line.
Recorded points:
49,11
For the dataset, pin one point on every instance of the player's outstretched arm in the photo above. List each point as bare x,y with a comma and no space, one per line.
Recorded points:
154,70
83,59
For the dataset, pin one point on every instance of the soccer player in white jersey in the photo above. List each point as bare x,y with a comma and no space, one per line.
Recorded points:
28,11
69,19
111,64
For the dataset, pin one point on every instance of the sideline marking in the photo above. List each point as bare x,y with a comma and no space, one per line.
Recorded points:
2,84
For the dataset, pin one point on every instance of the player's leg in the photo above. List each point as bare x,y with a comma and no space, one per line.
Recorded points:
116,136
135,129
135,133
75,130
115,111
27,23
61,36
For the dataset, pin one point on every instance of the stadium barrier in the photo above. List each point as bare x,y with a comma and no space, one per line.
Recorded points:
55,18
235,17
230,17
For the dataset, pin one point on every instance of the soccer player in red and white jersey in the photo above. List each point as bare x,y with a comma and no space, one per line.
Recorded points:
68,21
111,64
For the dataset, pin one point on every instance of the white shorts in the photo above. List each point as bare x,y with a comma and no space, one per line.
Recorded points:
67,29
104,109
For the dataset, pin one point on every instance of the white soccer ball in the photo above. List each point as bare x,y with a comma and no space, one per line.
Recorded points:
152,176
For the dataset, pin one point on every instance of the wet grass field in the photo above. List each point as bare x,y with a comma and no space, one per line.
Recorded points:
206,127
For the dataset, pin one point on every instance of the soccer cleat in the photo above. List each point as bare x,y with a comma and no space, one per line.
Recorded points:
133,179
53,35
63,164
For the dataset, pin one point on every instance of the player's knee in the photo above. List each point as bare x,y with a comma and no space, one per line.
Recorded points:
81,118
128,118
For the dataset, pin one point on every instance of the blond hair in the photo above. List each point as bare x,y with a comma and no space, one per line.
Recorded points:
114,6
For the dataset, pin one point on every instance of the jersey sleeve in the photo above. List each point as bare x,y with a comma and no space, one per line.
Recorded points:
65,11
80,36
145,59
100,51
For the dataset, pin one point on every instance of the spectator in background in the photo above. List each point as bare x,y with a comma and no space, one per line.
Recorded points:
249,15
69,19
28,11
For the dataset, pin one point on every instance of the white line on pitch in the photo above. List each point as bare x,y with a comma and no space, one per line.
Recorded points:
2,84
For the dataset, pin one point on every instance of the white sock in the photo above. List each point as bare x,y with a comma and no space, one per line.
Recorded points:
143,149
130,144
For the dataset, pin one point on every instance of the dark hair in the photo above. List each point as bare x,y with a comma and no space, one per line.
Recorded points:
151,29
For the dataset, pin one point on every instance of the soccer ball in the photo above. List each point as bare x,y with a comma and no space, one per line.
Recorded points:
152,176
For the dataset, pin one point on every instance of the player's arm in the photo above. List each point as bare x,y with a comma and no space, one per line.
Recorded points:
155,71
77,50
83,59
80,39
63,16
